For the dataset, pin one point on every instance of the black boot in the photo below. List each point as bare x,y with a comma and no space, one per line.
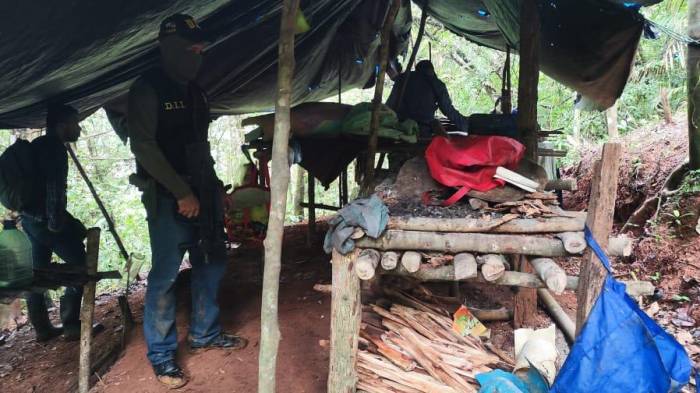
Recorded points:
70,313
39,317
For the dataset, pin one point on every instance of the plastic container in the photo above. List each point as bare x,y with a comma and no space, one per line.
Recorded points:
15,257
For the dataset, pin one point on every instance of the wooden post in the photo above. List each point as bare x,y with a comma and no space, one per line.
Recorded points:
694,84
311,223
601,207
529,76
346,311
269,324
611,117
87,310
378,95
525,303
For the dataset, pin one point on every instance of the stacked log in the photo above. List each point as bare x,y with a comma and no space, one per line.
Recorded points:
409,350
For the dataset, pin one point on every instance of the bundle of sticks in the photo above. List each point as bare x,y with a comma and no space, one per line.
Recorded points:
409,350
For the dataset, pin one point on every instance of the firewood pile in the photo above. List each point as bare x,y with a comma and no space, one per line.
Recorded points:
413,350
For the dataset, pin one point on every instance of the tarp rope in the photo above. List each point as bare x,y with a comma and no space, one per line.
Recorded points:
684,38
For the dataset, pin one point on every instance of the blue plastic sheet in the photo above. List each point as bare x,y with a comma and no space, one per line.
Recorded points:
620,348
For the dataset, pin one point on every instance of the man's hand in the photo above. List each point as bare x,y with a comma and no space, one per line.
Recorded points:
188,206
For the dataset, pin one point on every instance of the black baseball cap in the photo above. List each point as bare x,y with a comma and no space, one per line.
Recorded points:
182,25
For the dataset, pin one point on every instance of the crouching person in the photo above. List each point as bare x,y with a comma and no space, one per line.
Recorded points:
168,118
49,226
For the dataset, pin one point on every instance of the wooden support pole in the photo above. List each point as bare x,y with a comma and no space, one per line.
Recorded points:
529,76
561,184
87,310
269,323
525,302
346,311
378,95
560,317
601,207
693,69
311,223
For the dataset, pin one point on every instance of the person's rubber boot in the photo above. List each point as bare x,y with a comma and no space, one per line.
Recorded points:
70,313
223,341
170,374
39,318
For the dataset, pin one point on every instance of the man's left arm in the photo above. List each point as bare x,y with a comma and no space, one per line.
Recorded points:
446,107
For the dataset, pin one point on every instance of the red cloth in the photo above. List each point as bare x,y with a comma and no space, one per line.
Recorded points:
470,162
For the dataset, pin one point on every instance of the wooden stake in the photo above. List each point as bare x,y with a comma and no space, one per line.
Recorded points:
311,222
346,310
529,76
87,310
601,207
269,324
378,93
525,302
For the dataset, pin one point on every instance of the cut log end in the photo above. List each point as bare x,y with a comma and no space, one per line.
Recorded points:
574,242
390,260
465,266
493,266
411,261
366,264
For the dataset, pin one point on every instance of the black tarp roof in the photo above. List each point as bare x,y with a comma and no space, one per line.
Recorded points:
87,52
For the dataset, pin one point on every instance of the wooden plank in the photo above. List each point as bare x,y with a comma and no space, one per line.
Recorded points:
525,302
601,207
87,310
346,311
529,76
279,185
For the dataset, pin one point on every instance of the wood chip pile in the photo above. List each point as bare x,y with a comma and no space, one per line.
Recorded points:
405,349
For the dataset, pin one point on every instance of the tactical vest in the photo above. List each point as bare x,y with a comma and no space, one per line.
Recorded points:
183,119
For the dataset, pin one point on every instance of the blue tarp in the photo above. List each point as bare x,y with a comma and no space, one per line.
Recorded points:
620,348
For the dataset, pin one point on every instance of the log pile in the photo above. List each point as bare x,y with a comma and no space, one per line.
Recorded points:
410,350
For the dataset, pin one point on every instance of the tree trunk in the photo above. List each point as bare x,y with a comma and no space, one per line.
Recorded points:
693,69
666,106
378,96
269,324
298,196
529,76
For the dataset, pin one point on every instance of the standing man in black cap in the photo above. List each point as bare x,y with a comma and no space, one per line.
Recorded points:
168,117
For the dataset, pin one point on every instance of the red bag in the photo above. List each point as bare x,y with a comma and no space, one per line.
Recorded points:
470,162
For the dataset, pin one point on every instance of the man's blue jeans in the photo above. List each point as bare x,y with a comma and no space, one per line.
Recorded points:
171,235
68,245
